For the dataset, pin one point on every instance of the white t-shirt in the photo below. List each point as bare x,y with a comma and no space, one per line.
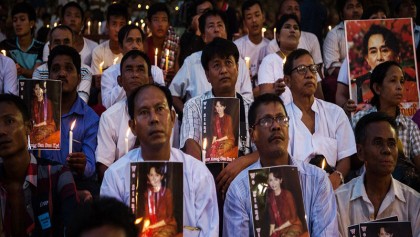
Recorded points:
8,76
85,53
103,53
255,52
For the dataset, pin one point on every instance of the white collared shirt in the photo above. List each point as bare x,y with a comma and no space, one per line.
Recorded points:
255,52
335,47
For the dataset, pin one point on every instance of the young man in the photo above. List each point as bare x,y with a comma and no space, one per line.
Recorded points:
37,196
375,194
269,132
64,65
113,126
108,51
72,15
24,49
151,120
130,37
317,129
253,45
407,8
63,35
163,38
190,81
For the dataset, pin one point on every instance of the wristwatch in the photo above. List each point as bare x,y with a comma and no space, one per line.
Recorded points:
341,175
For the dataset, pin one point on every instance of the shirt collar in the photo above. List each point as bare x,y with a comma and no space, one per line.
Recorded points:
77,108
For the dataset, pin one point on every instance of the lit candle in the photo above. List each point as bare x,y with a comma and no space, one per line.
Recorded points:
48,26
204,150
101,67
126,140
137,24
263,31
147,7
88,31
129,22
3,52
71,137
142,26
284,60
55,24
115,60
139,5
99,27
156,53
141,21
247,62
323,164
167,60
329,28
275,31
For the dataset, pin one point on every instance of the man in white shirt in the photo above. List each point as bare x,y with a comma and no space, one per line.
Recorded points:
151,120
109,51
8,77
317,129
63,35
252,45
130,37
190,80
375,194
72,15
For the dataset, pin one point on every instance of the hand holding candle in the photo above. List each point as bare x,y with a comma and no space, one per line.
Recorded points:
71,137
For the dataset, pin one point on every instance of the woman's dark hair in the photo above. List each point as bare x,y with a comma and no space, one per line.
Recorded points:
278,175
378,76
221,102
390,39
283,19
125,30
159,169
372,10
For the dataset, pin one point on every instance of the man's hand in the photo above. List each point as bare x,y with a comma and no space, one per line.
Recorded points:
279,86
349,107
77,162
335,180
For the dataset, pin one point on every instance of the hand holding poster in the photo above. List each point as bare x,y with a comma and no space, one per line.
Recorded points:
371,42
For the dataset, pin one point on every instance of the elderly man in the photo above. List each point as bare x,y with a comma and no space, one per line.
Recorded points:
318,129
270,133
375,194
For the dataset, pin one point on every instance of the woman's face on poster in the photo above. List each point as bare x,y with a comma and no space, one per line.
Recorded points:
220,109
383,233
274,182
378,51
155,178
38,91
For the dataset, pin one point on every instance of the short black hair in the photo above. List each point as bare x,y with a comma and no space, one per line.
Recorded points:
26,8
199,2
203,18
125,30
18,102
373,10
360,132
219,47
131,99
102,212
134,54
68,51
340,5
155,8
260,100
390,38
117,9
72,4
378,76
61,27
295,54
248,4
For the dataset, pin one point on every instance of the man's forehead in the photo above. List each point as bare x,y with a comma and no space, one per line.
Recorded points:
133,33
149,97
289,3
270,108
218,58
62,60
135,61
60,34
214,19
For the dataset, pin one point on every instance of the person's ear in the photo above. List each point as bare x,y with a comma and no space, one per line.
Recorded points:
251,134
119,80
376,88
132,125
287,80
173,116
359,149
206,71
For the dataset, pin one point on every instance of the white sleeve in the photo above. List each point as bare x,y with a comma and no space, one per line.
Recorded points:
85,84
245,87
110,90
346,144
179,84
107,143
37,74
315,48
157,75
113,186
343,74
331,50
46,52
96,60
266,71
10,83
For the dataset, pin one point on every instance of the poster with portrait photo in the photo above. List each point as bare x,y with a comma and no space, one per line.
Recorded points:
156,197
371,42
220,131
277,202
354,230
43,98
394,228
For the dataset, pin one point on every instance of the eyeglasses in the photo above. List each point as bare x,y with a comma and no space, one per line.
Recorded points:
268,121
302,69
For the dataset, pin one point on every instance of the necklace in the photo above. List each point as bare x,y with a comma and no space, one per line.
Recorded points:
282,55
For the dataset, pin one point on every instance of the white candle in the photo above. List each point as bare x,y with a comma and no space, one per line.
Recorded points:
115,60
99,27
204,150
329,28
156,53
129,22
88,30
323,164
167,60
71,137
275,31
263,31
48,26
247,62
126,140
137,24
139,5
55,24
3,52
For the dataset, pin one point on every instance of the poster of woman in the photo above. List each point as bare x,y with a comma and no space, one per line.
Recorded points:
220,129
371,42
156,198
43,97
386,229
277,203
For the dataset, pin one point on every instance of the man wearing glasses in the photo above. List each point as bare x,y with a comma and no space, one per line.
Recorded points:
269,132
319,131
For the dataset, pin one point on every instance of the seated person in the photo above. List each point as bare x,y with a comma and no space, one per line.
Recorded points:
42,114
270,133
317,129
151,120
38,196
64,65
8,78
375,194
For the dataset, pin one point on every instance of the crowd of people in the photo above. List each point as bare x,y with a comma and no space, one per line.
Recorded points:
137,94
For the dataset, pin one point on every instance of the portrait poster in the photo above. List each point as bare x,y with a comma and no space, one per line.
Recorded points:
277,202
371,42
354,230
393,228
43,98
156,195
220,130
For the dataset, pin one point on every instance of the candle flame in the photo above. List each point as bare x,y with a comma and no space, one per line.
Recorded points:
275,30
204,143
323,163
99,24
141,21
48,26
139,5
147,7
88,23
264,29
72,125
329,27
138,220
3,52
167,52
129,22
156,51
127,133
116,60
101,64
284,60
55,24
137,24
